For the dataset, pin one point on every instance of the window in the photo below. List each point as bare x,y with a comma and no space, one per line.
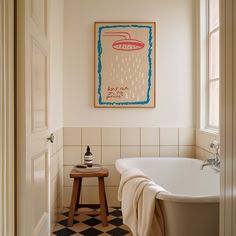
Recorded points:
210,75
213,63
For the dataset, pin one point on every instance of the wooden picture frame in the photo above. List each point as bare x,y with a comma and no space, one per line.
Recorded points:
125,61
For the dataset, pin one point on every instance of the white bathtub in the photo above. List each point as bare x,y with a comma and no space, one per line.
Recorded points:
191,204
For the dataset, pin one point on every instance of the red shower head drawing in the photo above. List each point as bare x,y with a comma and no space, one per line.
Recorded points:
125,44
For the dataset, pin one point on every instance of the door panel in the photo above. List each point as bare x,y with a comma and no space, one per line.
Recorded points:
39,14
32,122
39,88
40,187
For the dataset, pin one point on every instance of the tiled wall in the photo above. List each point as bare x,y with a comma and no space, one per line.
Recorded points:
56,175
110,144
203,141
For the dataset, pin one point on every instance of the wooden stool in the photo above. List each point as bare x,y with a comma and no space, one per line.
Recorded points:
78,176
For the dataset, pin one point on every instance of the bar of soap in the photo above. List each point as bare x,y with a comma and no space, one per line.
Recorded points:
81,166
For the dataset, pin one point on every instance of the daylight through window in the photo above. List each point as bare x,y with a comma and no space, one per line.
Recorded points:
213,73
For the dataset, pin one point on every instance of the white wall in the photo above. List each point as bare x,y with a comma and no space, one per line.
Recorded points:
175,82
56,64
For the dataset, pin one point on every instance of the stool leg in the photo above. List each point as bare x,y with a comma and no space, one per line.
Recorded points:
73,202
102,198
79,191
107,211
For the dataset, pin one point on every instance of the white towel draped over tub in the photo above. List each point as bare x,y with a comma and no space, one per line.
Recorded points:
140,208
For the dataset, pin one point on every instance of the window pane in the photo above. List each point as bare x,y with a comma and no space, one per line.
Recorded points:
214,51
214,13
214,103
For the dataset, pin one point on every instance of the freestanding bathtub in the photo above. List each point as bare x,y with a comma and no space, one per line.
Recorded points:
190,206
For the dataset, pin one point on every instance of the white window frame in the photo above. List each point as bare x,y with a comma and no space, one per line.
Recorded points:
204,85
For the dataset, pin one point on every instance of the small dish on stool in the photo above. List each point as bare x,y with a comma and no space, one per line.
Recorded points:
84,168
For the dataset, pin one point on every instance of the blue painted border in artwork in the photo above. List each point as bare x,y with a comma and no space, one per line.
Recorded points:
99,70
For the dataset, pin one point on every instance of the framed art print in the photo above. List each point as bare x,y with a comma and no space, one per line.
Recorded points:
125,64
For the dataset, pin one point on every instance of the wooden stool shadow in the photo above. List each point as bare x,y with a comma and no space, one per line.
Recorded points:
76,191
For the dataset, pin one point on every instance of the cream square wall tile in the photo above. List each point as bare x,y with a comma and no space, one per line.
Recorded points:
198,138
187,136
54,166
72,136
67,196
169,151
217,138
68,182
90,181
130,136
150,136
130,151
90,195
112,196
60,186
207,154
114,177
96,151
53,192
60,138
169,136
187,151
72,155
199,153
91,136
204,139
60,158
111,136
150,151
202,154
60,202
60,180
110,154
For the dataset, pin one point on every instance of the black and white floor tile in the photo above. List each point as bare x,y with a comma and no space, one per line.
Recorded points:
87,225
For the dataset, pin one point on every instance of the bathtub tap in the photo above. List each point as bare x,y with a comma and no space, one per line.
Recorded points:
213,161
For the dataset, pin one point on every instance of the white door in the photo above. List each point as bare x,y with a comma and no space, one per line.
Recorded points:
32,118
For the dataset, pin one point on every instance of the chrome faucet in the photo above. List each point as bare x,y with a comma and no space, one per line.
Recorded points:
214,161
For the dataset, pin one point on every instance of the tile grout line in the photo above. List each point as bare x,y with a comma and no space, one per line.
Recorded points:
146,145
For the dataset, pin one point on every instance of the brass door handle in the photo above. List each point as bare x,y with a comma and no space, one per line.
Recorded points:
51,138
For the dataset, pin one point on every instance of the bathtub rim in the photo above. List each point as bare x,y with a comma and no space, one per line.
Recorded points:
168,196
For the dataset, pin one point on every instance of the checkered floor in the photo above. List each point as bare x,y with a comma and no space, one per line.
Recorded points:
92,225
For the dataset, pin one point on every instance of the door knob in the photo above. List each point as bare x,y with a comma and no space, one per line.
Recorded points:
51,138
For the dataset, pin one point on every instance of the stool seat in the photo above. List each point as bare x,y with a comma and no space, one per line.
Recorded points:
78,175
99,173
